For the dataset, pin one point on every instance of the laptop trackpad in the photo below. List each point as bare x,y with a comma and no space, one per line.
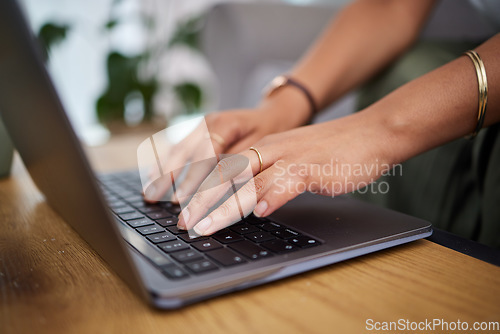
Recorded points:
343,221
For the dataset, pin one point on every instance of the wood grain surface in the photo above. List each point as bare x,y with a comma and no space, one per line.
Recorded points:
51,281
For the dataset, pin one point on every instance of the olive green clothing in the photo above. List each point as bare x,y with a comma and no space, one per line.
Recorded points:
455,186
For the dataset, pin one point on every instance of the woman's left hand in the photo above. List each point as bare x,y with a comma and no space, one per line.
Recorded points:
331,158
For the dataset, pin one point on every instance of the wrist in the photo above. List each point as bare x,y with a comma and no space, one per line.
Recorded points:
396,134
382,139
286,108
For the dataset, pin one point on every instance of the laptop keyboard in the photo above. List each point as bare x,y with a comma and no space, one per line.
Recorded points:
172,250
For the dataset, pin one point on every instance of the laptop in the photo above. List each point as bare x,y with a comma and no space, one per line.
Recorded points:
140,241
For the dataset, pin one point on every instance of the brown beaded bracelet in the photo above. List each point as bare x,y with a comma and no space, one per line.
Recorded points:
283,80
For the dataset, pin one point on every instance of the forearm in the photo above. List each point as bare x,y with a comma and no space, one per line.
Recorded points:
429,111
362,39
438,107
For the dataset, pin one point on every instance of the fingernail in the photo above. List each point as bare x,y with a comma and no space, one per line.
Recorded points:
203,225
260,209
182,223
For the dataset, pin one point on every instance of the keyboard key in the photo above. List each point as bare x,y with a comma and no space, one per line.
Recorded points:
206,245
227,237
279,246
174,209
191,238
159,214
167,204
201,266
125,193
249,249
123,209
140,222
168,221
136,185
303,241
226,257
286,233
174,272
251,219
131,215
172,246
270,226
139,204
186,255
238,223
244,229
161,237
133,198
260,236
114,205
150,208
175,230
150,229
117,187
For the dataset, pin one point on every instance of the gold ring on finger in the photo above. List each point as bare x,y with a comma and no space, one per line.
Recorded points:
260,157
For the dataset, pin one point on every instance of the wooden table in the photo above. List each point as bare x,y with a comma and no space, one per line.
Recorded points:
51,281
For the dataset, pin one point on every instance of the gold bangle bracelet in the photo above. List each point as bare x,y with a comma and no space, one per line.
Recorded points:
483,90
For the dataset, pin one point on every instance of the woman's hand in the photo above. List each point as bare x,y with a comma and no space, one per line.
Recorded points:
223,132
329,159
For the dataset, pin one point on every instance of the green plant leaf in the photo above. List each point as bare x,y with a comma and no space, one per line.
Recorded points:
51,34
190,95
111,24
122,80
187,33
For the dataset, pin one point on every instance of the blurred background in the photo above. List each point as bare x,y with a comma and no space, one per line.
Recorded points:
123,66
